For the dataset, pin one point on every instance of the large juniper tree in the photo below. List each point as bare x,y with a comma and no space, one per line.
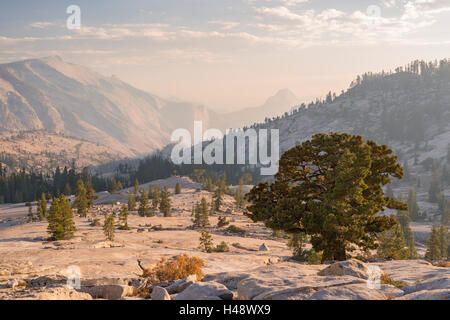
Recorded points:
330,188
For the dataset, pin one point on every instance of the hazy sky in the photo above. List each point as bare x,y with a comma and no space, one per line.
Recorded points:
230,53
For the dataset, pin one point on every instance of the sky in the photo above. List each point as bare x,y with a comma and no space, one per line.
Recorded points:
229,54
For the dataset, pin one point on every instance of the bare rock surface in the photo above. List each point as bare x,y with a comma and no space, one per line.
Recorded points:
204,290
160,293
30,265
439,294
354,268
62,293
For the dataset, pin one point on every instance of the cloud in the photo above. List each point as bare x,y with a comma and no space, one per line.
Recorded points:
43,24
225,25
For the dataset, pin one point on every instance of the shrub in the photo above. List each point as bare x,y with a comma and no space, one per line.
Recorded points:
234,229
314,257
386,279
222,222
238,245
108,227
177,188
96,222
222,247
179,268
206,243
443,264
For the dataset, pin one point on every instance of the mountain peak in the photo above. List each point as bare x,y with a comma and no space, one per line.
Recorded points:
281,99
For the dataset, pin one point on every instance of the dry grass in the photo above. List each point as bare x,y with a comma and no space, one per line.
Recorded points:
443,264
179,268
386,279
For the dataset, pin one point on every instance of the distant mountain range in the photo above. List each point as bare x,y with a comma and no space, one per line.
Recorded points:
59,97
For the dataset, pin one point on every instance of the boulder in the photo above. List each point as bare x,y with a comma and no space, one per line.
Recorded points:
46,281
12,283
159,293
430,284
107,244
263,247
352,267
229,279
439,294
348,292
205,290
109,291
180,285
62,293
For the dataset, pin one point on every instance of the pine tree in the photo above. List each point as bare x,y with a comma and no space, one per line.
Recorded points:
30,213
392,245
197,217
131,202
404,221
204,213
206,242
123,218
445,217
413,207
406,174
177,188
156,197
67,217
136,186
108,226
81,201
42,207
119,185
201,218
150,191
443,241
296,243
55,225
113,186
165,204
433,252
144,208
239,195
60,219
222,222
218,198
434,189
90,196
67,190
209,185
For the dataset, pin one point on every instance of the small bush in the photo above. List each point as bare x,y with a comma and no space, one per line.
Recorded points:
179,268
222,247
238,245
314,257
96,223
222,222
234,229
443,264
